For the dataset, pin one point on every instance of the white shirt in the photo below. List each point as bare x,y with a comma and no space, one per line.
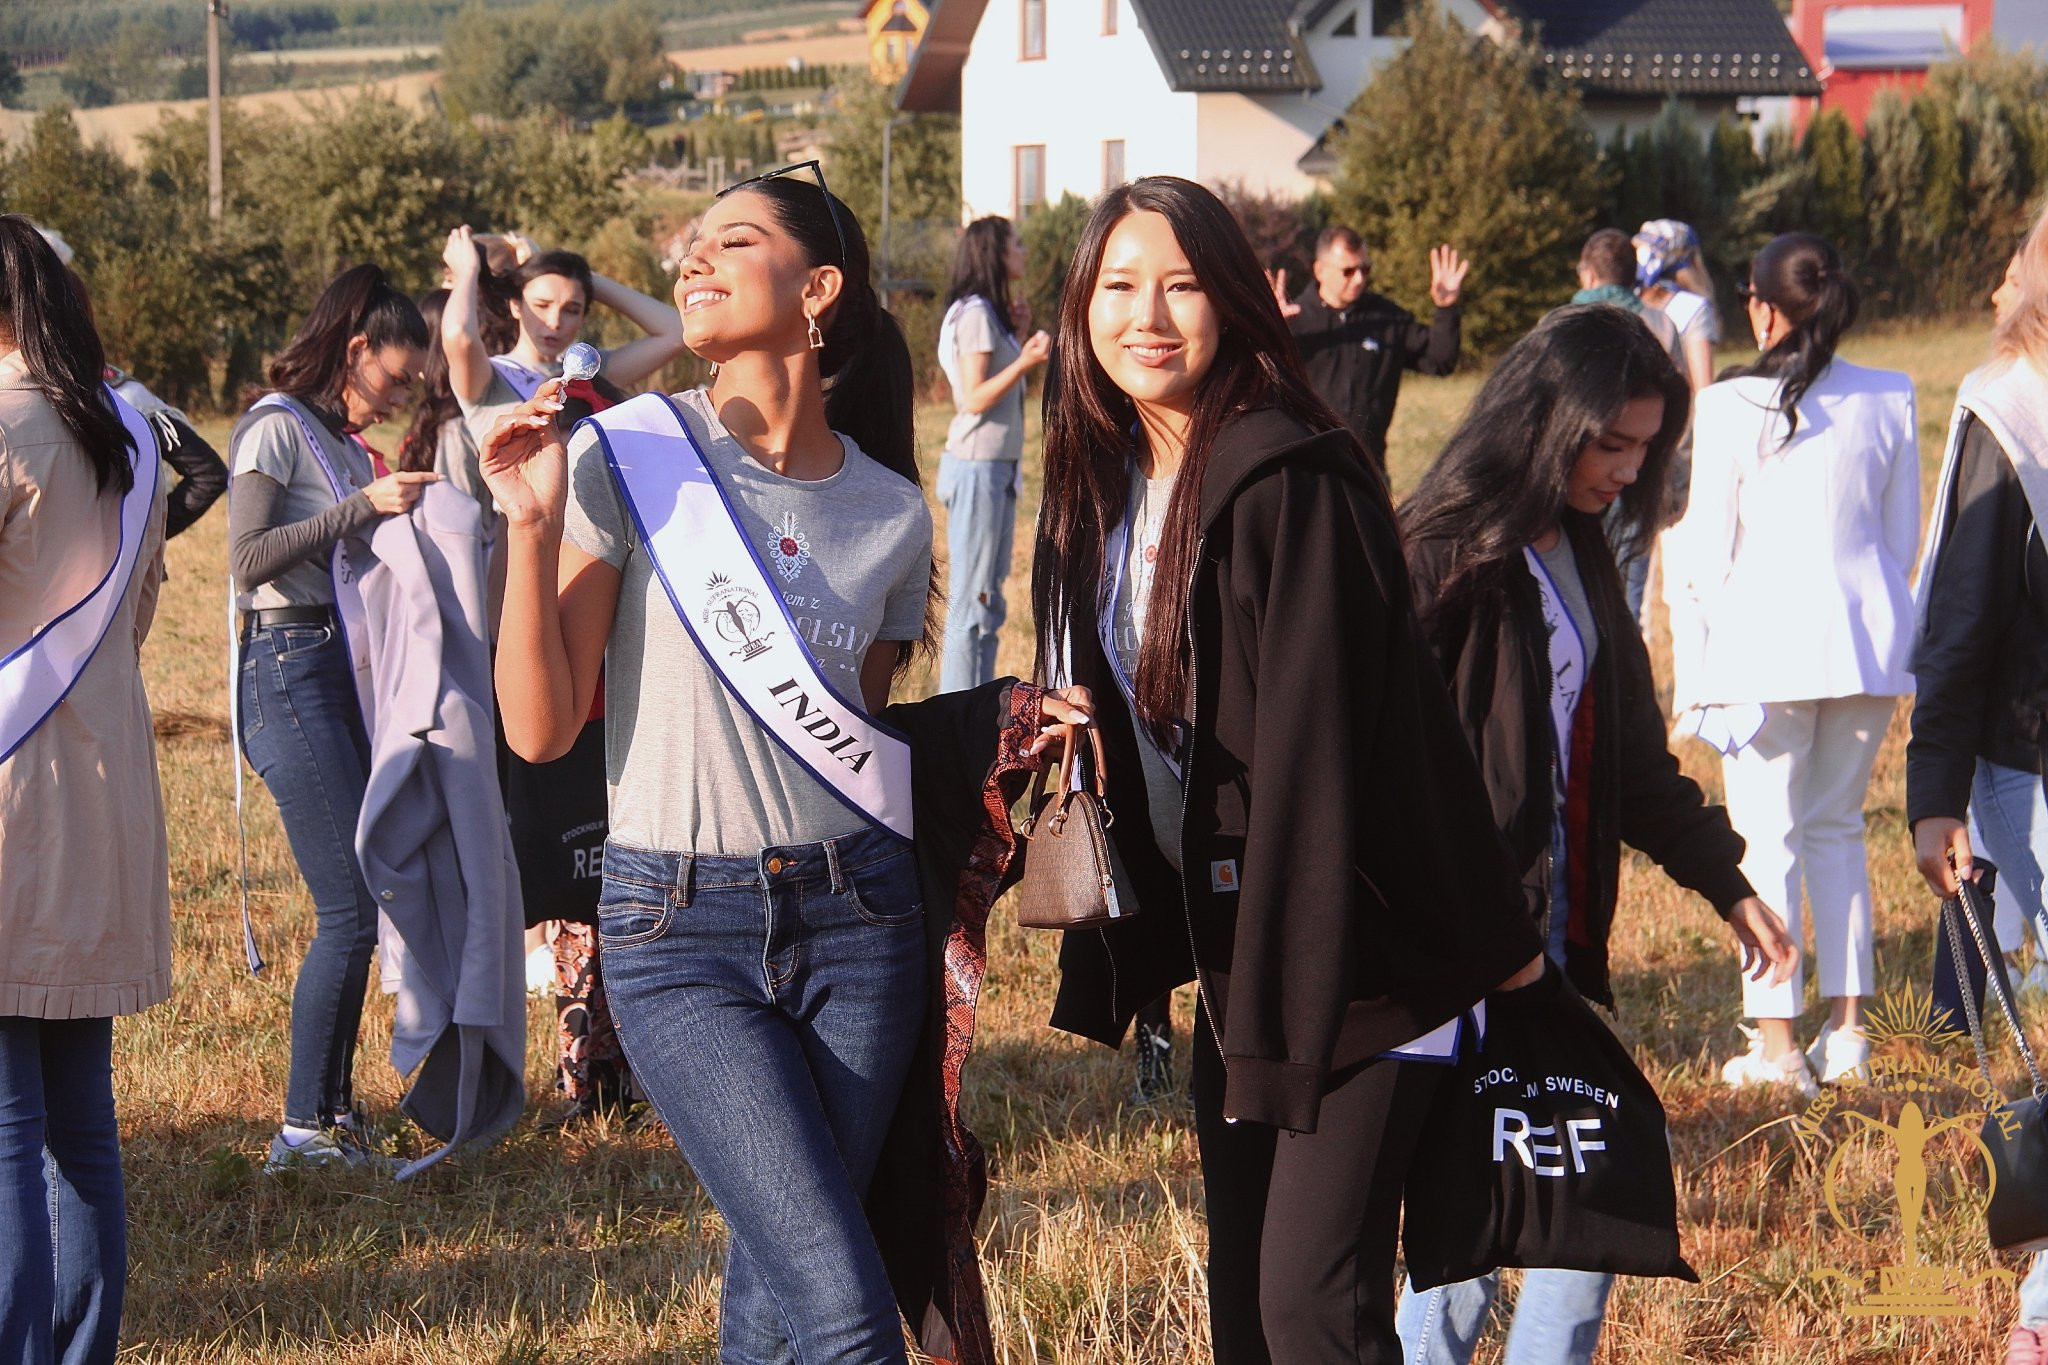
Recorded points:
1798,556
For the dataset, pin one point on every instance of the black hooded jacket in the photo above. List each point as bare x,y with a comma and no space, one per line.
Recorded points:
1345,889
1495,654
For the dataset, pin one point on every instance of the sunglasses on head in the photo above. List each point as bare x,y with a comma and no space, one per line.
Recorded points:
817,178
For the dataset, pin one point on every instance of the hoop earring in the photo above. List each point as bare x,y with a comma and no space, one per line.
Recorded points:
816,337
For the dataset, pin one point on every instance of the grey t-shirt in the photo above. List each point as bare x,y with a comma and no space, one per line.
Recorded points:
272,442
851,555
1149,498
998,433
500,398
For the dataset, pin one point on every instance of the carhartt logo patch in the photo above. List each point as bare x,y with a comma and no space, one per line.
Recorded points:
1223,875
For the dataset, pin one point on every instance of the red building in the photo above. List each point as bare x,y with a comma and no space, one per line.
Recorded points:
1860,47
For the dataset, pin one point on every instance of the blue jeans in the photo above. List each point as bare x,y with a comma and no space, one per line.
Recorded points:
302,730
769,1005
2009,826
2009,820
980,498
1557,1318
63,1221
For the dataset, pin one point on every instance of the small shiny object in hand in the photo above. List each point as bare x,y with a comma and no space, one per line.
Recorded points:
580,361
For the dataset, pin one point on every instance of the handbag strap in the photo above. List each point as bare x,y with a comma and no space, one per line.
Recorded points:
1971,914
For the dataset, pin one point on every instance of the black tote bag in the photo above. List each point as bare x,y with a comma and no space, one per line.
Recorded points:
557,813
1547,1148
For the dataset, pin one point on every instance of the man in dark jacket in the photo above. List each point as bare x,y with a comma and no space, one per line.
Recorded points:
1355,343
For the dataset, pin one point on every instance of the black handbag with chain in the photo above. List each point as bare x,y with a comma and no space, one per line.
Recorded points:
2015,1133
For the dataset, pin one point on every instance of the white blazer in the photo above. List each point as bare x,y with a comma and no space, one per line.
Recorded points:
1797,557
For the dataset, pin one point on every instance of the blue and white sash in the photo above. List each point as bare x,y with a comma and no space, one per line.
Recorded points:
524,379
37,676
348,588
1567,659
720,590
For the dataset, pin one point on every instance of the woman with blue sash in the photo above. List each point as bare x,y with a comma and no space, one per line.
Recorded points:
751,566
303,485
84,875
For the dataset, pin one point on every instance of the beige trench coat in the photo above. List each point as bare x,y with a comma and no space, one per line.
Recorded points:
85,901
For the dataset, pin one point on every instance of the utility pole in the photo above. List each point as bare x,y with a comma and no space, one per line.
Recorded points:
214,195
888,281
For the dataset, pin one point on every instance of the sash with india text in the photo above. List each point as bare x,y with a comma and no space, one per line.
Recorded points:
720,590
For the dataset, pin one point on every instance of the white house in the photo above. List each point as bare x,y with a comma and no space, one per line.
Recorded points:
1075,95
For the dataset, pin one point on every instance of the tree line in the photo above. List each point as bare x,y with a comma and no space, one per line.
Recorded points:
195,307
1926,204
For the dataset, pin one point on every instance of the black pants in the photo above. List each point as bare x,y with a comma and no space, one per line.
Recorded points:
1302,1227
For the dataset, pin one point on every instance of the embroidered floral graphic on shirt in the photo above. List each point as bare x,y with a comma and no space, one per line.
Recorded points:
789,549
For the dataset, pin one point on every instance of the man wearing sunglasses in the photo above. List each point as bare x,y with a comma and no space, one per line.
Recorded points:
1356,343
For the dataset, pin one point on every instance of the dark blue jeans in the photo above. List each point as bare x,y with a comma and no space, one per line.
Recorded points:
769,1006
302,730
63,1227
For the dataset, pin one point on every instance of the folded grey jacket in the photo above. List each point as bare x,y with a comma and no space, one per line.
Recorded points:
435,849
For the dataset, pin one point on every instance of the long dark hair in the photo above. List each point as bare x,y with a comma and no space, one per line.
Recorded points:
865,362
1802,277
437,402
1501,479
44,311
981,268
359,302
1088,422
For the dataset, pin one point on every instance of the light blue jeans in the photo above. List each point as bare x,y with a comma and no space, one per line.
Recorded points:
1557,1318
2009,825
980,498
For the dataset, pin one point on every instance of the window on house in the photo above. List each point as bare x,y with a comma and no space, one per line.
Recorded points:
1387,16
1112,163
1028,182
1108,17
1033,38
1347,27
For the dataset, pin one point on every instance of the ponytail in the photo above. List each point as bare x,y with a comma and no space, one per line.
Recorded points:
1803,277
359,302
45,312
866,364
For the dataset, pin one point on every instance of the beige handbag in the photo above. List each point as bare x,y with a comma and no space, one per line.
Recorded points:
1073,878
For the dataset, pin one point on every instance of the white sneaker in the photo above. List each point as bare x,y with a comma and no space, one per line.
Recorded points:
1838,1053
1752,1068
540,971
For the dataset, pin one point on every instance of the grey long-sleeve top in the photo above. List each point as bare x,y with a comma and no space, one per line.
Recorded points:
283,516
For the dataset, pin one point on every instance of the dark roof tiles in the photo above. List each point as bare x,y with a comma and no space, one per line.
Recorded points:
1669,47
1242,45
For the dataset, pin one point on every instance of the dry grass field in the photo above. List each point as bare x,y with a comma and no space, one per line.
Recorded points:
597,1245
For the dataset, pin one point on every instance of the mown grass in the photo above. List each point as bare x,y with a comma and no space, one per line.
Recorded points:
597,1245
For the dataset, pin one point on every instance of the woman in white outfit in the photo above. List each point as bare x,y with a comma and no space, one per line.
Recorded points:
1804,520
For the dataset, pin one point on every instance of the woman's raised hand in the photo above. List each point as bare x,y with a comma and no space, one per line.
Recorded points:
525,464
458,253
1036,348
